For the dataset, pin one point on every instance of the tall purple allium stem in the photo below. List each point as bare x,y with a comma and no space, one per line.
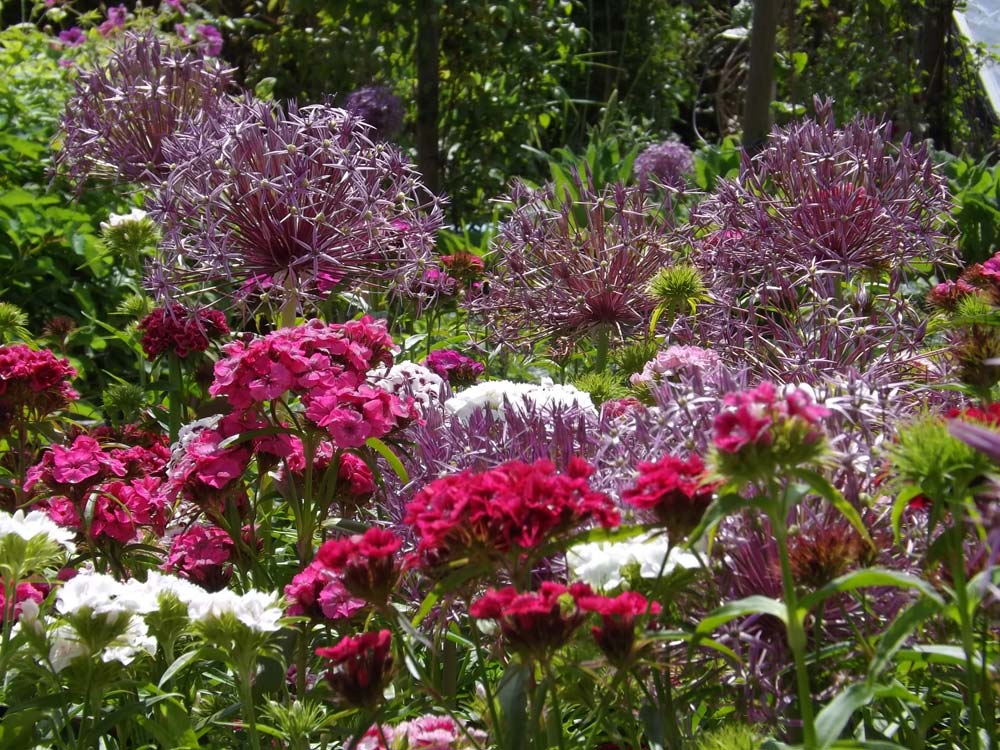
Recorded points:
121,115
288,205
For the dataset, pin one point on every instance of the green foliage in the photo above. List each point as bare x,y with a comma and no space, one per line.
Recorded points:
975,190
602,386
50,246
729,737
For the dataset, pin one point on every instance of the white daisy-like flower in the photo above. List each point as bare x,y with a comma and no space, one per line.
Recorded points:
600,564
36,523
492,394
258,610
115,220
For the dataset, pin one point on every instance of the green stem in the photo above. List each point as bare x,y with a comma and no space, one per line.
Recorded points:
957,565
244,670
175,402
290,307
796,629
602,339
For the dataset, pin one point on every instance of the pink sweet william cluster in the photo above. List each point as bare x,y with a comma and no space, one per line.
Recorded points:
179,331
106,492
33,384
537,623
326,366
203,555
427,732
360,667
367,563
676,490
458,369
319,593
495,517
762,428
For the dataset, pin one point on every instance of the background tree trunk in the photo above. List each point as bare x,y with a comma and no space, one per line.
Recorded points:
934,54
428,49
760,79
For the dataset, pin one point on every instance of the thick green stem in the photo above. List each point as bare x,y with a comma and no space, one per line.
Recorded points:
175,396
957,565
244,671
796,632
602,339
290,307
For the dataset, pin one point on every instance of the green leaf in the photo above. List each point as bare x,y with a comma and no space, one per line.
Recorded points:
898,631
869,577
751,605
391,458
822,487
899,507
513,699
721,507
178,664
830,722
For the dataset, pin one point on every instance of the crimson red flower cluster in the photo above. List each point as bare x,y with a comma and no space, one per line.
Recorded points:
366,562
675,490
360,667
616,634
500,513
177,330
537,623
327,367
33,384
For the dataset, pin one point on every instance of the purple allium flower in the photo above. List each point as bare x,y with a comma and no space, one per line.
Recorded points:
668,164
378,107
809,249
458,369
117,122
572,266
823,546
209,40
73,37
292,202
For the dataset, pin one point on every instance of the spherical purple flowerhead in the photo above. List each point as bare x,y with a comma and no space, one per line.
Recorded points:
570,266
667,164
280,203
379,107
116,124
807,252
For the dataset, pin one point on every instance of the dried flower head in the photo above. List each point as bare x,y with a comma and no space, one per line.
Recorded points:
573,264
117,123
278,204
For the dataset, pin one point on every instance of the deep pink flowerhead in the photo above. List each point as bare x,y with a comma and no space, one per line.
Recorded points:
180,331
367,563
458,369
203,555
360,667
495,516
535,625
616,635
319,592
33,384
946,295
760,429
24,591
676,490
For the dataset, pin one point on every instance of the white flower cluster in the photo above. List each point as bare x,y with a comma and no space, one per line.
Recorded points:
411,379
493,393
600,564
35,523
116,220
101,596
